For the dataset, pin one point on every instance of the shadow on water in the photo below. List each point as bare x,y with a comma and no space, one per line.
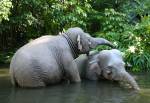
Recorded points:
85,92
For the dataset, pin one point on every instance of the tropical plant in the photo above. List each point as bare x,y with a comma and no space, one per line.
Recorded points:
5,6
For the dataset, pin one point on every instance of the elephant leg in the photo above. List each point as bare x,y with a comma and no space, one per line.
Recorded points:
28,75
28,78
12,78
25,72
70,68
73,72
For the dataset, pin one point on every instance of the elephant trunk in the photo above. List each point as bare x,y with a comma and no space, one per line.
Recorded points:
128,78
102,41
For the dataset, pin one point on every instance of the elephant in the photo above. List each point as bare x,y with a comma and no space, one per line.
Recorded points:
48,59
88,66
107,64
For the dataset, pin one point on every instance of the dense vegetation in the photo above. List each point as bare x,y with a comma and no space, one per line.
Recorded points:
125,22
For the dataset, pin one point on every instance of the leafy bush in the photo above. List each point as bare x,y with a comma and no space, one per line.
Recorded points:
113,21
138,52
124,22
5,58
5,6
134,42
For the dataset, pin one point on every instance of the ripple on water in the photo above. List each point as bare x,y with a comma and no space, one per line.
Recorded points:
86,92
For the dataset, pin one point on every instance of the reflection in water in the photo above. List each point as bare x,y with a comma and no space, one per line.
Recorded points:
85,92
56,94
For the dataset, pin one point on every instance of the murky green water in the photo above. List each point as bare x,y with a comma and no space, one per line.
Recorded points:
85,92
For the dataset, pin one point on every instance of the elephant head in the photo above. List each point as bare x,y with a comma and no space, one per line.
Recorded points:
113,67
84,41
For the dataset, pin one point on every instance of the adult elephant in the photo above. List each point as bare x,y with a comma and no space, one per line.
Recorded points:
106,64
48,59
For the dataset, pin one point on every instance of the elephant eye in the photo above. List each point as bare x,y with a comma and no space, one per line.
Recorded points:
110,67
109,70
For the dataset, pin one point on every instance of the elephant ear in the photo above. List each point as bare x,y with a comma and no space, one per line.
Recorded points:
94,67
79,42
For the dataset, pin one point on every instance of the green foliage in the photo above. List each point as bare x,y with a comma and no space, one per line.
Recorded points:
138,52
124,22
134,42
5,57
33,18
113,21
71,13
5,6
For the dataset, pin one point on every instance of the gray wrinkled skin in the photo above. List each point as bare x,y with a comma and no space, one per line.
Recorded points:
88,66
48,59
106,64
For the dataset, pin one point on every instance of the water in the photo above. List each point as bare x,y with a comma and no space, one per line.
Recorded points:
85,92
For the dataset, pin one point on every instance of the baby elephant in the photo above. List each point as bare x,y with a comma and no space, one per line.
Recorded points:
106,63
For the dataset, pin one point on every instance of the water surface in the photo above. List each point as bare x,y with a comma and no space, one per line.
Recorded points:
85,92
